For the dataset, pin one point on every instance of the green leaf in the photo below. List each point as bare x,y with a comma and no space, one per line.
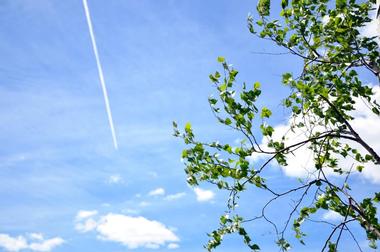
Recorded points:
184,154
368,157
360,168
227,121
265,113
212,101
332,247
255,247
377,197
213,78
188,127
256,85
372,244
284,3
341,4
267,131
263,7
376,111
223,87
286,78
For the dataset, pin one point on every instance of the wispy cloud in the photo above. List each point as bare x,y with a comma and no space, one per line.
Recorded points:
46,245
84,214
36,236
144,204
175,196
173,246
20,242
115,179
156,192
131,211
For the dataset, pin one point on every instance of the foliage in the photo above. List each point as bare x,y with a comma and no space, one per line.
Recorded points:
322,100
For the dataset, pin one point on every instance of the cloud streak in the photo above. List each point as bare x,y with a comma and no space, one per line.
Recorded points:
101,75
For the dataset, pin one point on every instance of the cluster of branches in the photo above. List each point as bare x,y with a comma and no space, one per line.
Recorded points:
327,39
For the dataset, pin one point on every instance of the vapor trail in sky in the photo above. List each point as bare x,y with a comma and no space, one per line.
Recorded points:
101,76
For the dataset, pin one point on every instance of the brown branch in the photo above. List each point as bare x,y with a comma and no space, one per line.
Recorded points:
357,138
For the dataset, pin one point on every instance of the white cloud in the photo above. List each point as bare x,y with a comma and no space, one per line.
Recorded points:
301,163
366,124
13,243
175,196
173,246
84,214
133,232
144,204
84,220
156,192
332,216
203,195
46,245
20,242
115,179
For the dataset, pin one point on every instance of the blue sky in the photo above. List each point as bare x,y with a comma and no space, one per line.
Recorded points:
63,187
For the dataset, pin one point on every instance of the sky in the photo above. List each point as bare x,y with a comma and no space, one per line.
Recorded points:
63,186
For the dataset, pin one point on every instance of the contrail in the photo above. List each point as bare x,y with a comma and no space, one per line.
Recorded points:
100,71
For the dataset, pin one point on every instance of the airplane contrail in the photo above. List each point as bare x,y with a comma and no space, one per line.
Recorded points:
101,76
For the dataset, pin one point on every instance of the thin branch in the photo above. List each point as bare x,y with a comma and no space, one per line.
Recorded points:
333,231
270,53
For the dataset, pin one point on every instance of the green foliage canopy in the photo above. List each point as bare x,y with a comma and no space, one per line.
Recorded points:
327,39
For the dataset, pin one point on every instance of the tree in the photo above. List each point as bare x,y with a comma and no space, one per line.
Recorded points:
322,103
